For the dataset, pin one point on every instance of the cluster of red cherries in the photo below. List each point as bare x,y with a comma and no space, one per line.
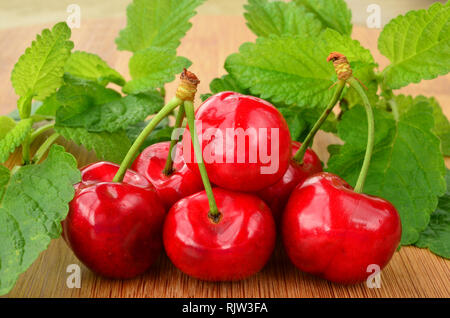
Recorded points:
228,231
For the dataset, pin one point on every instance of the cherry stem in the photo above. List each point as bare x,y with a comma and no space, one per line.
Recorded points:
298,157
44,147
185,91
370,134
26,150
164,112
214,213
40,131
168,168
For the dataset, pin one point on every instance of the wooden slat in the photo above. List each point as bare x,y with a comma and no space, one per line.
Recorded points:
412,272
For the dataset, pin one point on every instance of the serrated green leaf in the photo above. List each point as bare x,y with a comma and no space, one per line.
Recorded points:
441,123
418,46
6,125
407,167
160,23
226,83
152,68
73,100
300,121
14,138
333,14
39,71
49,106
29,217
436,236
266,18
107,146
5,175
285,70
91,67
115,115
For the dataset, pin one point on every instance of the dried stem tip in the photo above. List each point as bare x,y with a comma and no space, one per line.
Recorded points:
341,65
188,86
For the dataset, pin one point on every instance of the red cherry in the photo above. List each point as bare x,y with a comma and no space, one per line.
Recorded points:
114,228
236,247
277,195
333,232
179,184
238,166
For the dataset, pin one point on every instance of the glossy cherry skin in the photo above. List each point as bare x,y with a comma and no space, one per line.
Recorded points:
236,247
277,195
179,184
115,229
333,232
235,165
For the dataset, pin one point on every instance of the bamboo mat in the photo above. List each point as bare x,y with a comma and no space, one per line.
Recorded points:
412,272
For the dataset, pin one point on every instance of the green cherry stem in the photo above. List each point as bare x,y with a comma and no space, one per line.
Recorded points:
40,131
186,91
164,112
214,213
44,147
168,168
370,135
298,157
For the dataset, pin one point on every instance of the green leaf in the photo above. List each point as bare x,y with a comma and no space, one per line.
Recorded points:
162,132
152,68
5,175
333,14
436,236
265,18
73,100
6,125
91,67
407,167
115,115
300,121
30,217
39,71
226,83
49,106
223,84
441,123
159,23
418,46
107,146
14,138
285,70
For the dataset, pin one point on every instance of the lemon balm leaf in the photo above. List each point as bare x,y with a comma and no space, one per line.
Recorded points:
266,18
29,217
160,23
418,46
14,138
333,14
285,70
152,68
39,71
91,67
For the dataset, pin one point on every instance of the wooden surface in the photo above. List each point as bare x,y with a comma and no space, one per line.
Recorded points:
412,272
